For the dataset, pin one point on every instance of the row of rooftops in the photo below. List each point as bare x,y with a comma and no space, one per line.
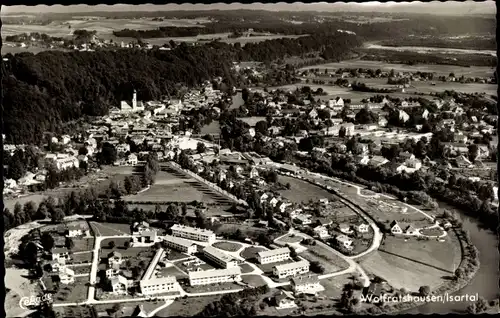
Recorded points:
193,230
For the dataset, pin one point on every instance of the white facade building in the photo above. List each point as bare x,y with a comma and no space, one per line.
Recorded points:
158,285
66,275
291,269
220,258
180,244
306,285
231,274
344,240
119,285
273,256
193,233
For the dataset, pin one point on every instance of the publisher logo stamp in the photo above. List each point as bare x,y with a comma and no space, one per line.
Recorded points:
32,301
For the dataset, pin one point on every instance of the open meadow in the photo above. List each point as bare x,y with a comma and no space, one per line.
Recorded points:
479,71
76,292
99,180
172,186
302,191
187,307
103,26
417,87
403,273
441,255
331,262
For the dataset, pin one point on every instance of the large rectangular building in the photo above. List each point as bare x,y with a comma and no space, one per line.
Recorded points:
273,256
218,257
180,244
291,269
158,285
154,262
193,233
215,276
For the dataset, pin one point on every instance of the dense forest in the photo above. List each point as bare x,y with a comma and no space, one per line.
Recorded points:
44,90
472,43
412,58
423,25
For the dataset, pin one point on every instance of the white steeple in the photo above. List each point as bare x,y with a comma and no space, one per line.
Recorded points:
134,100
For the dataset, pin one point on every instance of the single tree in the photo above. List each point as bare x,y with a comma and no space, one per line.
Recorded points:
47,241
424,290
69,243
57,215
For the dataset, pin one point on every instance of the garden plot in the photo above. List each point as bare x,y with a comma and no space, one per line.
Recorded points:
76,292
389,210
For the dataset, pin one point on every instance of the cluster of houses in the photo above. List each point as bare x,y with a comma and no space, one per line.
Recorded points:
67,157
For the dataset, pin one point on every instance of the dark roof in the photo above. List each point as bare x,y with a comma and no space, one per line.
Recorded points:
375,289
114,253
309,279
59,250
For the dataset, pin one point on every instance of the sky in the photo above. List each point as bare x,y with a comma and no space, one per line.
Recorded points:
448,7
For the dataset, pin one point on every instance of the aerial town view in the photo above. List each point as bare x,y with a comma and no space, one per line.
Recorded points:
250,160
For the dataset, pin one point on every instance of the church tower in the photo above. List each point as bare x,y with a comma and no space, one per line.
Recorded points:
134,100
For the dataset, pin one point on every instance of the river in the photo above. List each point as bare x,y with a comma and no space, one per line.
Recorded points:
485,283
425,49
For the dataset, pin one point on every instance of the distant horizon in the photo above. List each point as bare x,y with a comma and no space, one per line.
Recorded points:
435,8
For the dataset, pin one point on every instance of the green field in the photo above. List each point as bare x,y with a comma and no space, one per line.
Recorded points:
81,258
251,252
110,229
333,286
402,273
432,232
245,268
228,246
212,287
302,191
176,187
414,263
99,180
172,271
480,71
443,255
76,292
291,239
331,262
253,280
187,307
104,27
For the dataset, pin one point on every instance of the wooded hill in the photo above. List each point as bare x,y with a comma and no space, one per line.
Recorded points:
44,90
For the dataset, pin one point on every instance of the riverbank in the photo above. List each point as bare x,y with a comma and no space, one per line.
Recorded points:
468,267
